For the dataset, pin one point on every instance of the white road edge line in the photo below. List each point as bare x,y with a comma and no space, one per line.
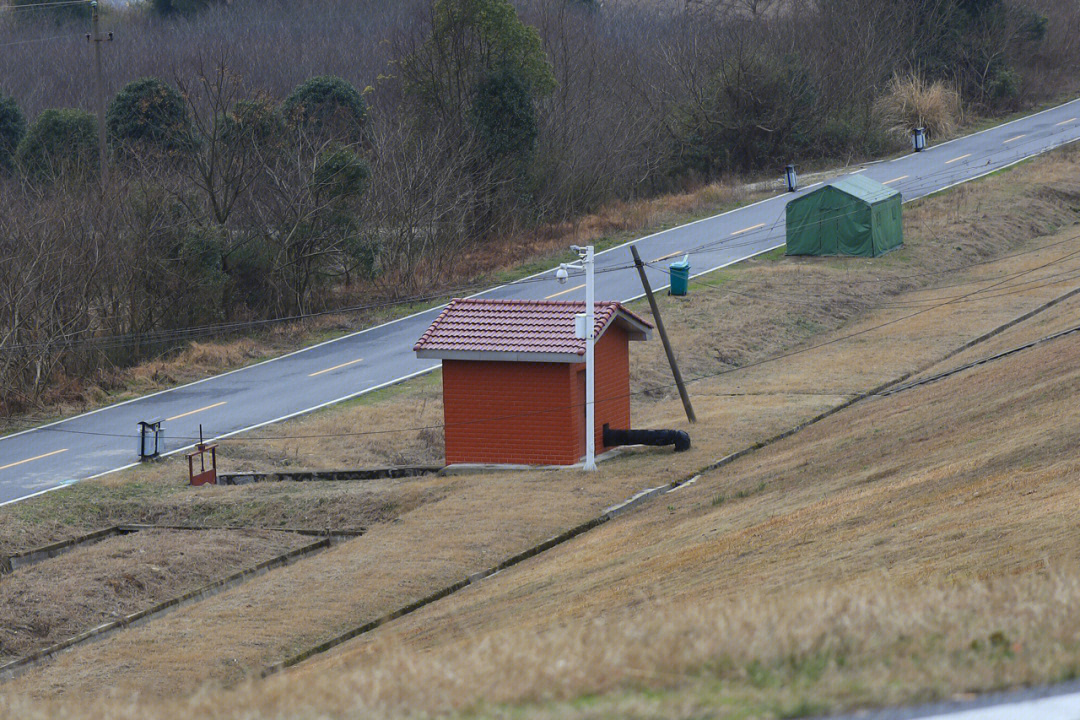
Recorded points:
249,428
543,272
422,372
1054,707
376,327
1004,124
39,493
430,369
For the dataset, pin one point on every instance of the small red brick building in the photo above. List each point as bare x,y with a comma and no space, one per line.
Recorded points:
514,378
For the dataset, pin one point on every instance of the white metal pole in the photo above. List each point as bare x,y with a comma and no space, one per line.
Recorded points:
590,364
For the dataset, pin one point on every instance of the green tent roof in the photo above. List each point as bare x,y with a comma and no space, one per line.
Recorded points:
848,216
869,191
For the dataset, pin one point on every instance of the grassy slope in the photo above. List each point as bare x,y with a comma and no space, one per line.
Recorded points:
471,522
863,561
56,599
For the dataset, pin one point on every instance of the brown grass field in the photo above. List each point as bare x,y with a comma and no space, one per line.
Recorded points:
910,547
56,599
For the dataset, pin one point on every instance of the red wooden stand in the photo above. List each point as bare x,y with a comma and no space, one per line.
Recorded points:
204,476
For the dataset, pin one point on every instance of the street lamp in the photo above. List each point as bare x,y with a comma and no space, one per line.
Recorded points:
588,332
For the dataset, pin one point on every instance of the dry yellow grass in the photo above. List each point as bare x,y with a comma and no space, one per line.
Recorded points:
811,526
56,599
910,102
159,494
858,563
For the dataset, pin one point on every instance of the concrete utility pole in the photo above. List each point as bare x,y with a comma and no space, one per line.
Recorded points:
663,337
99,89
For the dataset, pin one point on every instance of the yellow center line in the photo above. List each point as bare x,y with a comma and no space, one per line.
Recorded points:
567,290
665,257
1014,138
955,159
753,227
337,367
1066,122
902,177
39,457
192,412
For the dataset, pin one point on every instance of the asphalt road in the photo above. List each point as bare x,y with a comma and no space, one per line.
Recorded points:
103,441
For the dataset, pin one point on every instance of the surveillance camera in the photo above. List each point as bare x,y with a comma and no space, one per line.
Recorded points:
561,275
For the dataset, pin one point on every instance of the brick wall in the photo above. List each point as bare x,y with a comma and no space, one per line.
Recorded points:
508,412
532,413
612,388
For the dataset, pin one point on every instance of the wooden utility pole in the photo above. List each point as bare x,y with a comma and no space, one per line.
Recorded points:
663,337
99,89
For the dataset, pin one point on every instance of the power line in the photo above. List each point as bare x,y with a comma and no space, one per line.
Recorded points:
42,39
191,333
70,340
1037,284
976,363
1031,284
28,6
64,343
651,389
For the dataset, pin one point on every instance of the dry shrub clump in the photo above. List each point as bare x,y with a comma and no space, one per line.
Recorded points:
910,102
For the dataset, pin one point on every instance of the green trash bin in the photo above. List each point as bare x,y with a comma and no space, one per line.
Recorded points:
680,276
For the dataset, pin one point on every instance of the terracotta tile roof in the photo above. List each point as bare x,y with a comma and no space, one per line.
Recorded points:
516,326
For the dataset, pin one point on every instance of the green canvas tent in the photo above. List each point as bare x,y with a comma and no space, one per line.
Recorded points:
850,216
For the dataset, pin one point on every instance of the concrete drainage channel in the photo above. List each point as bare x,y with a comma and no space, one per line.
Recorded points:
11,563
649,494
8,563
608,514
408,471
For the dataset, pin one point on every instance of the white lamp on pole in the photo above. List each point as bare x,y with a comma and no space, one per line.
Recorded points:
589,333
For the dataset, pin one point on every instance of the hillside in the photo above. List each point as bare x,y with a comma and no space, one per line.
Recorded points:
913,547
897,550
278,163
